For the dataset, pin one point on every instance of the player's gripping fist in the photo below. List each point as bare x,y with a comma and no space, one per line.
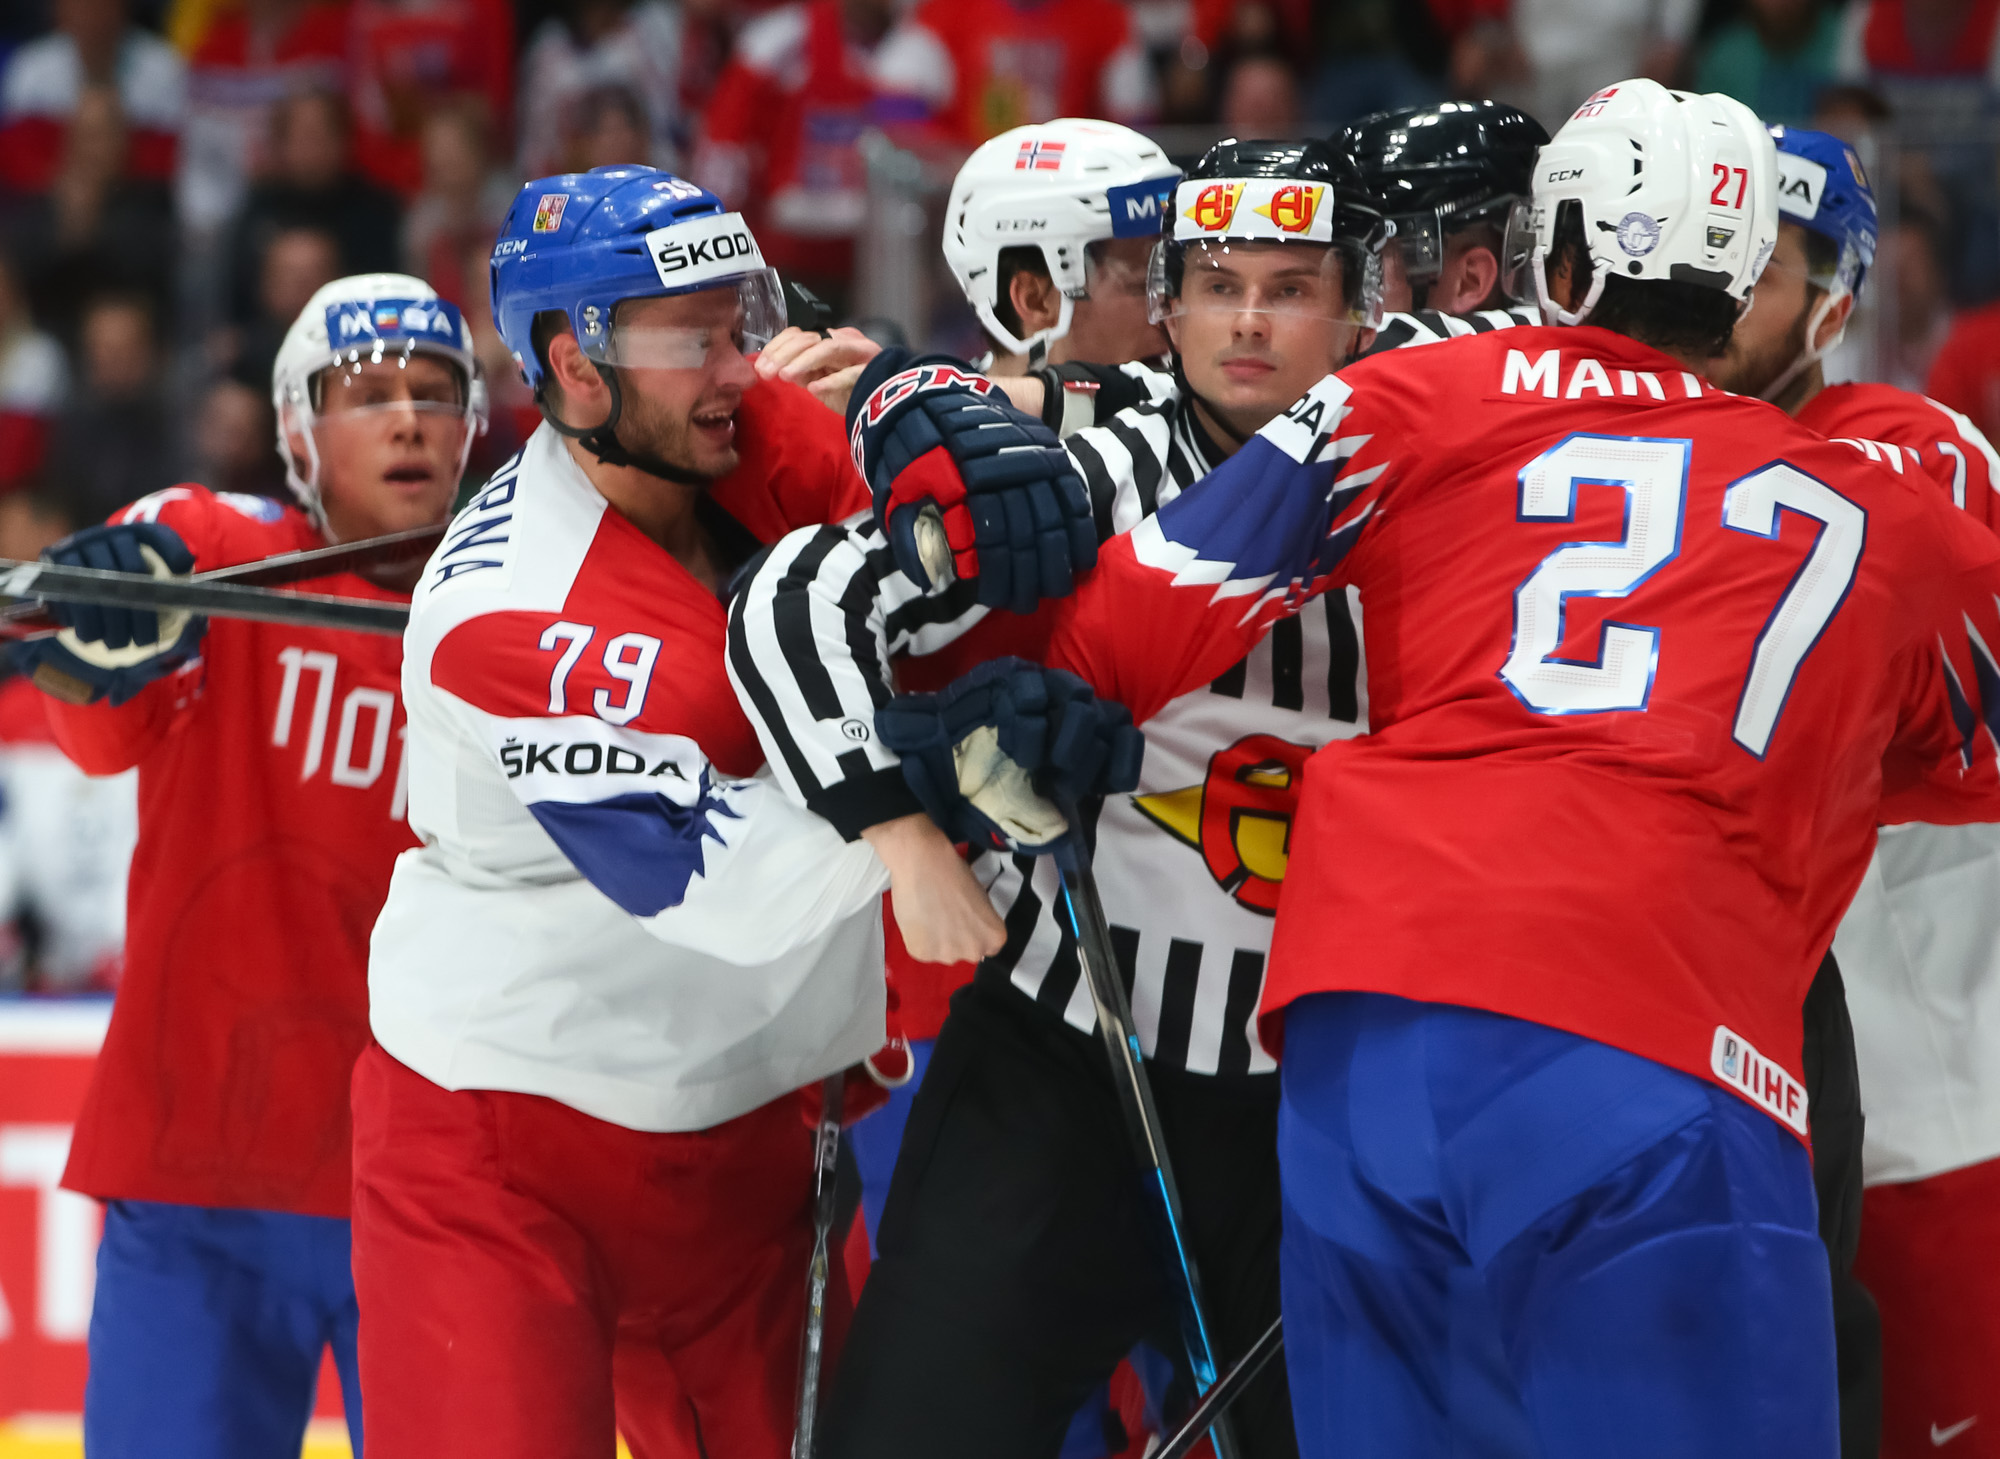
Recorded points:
115,652
939,445
994,756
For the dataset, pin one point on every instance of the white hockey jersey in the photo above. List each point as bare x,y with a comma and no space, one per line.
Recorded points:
610,908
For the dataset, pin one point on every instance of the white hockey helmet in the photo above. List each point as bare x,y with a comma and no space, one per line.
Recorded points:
366,318
1673,186
1058,187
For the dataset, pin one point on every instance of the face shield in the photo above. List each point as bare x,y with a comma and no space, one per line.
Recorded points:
1335,282
1109,274
745,317
1422,237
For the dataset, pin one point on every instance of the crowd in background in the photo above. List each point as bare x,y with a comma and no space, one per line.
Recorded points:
178,176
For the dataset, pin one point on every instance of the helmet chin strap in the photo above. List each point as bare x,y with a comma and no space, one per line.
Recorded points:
1811,355
602,441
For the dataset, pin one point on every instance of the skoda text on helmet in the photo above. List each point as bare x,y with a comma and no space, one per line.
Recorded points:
1296,193
364,319
1057,187
583,243
1436,170
1822,188
1672,186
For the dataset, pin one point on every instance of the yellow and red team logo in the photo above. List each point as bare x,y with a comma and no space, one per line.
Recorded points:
1292,207
549,211
1214,206
1240,818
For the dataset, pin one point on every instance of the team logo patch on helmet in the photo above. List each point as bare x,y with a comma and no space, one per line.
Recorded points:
1291,209
1638,234
1214,207
1240,817
549,212
1038,156
1594,105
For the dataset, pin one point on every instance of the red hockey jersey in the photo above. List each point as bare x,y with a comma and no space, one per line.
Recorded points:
1902,428
1643,657
271,794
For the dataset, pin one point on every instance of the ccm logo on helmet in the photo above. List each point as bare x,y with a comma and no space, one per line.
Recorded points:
1566,174
673,257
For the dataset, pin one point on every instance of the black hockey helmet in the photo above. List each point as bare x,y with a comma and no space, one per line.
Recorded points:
1438,169
1301,192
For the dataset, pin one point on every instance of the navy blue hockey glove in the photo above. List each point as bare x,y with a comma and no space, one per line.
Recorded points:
113,651
940,446
995,755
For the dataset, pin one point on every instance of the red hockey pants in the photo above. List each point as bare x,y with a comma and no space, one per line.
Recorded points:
530,1277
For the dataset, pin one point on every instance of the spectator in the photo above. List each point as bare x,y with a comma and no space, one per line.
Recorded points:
1260,99
1911,257
297,262
971,69
451,225
1849,112
95,228
1546,56
1935,62
93,44
410,56
234,448
1776,58
111,444
607,127
779,137
311,186
1372,50
248,60
592,44
34,377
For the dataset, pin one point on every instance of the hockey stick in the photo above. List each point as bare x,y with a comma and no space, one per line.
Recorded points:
1135,1097
826,1151
47,581
31,619
1225,1392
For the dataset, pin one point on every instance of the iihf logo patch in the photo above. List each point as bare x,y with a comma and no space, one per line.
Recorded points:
1638,234
549,212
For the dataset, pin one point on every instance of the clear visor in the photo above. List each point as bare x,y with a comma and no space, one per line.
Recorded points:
1517,251
1109,275
1306,280
741,320
1420,244
356,379
423,415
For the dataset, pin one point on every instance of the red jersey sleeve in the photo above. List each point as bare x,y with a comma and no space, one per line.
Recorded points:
1900,428
1191,589
794,468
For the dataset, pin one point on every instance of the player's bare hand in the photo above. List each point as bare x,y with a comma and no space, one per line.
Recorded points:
828,365
941,910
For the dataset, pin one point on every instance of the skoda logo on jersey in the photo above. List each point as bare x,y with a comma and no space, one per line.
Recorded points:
1214,206
1291,208
1638,234
1240,817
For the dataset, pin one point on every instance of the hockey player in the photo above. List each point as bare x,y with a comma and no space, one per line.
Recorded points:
597,987
1455,180
1645,658
271,797
1920,921
1014,1210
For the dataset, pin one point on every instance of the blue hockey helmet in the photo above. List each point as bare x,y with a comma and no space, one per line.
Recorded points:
1822,188
584,242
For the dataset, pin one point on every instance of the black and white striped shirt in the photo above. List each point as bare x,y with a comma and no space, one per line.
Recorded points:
1427,326
1188,865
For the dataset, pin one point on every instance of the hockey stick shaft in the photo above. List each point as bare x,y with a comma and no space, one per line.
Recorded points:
1135,1097
1226,1391
47,581
826,1154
